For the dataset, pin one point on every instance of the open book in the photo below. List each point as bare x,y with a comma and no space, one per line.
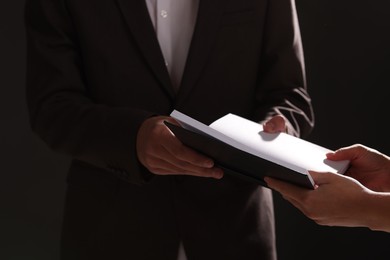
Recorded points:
241,148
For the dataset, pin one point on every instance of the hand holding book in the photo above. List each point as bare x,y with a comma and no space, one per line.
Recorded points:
161,153
242,148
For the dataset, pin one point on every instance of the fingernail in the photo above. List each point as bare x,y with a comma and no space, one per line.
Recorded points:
271,126
208,164
218,173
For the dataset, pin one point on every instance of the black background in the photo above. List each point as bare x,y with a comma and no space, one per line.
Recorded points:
347,53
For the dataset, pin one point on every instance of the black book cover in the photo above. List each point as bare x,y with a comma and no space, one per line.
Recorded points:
237,162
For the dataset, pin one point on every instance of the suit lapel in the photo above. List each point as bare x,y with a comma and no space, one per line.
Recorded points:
209,15
137,17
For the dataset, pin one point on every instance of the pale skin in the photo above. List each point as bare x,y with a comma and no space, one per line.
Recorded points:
163,154
360,198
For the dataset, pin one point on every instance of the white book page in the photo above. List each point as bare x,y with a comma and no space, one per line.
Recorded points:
283,149
198,127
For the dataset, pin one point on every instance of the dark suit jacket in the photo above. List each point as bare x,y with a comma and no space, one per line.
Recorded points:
96,72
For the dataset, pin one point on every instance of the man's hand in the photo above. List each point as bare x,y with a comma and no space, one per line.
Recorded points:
163,154
275,125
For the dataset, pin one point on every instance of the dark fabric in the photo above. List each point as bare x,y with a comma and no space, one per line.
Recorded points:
95,72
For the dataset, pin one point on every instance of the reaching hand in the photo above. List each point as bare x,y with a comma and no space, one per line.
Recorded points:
367,165
358,198
332,203
163,154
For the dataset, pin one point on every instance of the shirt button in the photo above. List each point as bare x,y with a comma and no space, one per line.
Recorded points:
164,13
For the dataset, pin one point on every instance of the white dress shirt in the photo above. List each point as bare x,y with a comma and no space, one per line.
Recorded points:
174,23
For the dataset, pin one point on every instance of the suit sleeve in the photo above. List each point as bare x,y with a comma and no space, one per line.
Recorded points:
60,110
283,81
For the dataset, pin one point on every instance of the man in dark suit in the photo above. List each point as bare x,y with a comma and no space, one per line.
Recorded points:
101,78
